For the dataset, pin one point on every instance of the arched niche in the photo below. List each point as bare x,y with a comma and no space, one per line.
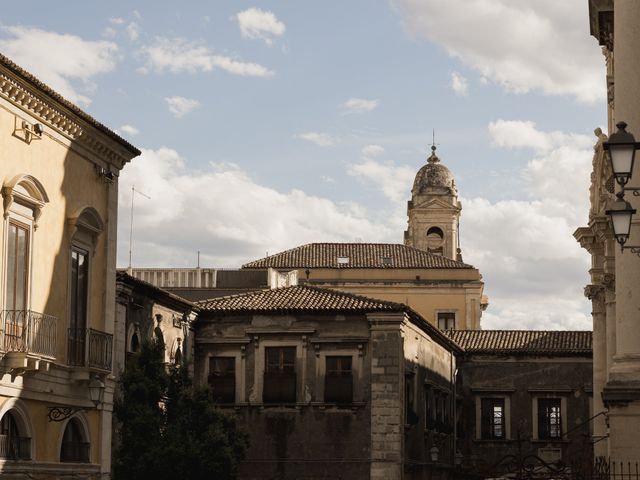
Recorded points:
435,240
134,338
16,431
27,191
75,440
86,226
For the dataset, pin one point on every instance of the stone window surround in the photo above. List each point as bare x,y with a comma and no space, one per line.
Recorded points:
506,418
238,353
455,311
534,415
23,199
356,371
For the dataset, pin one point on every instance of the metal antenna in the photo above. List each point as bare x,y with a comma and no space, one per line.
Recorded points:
133,192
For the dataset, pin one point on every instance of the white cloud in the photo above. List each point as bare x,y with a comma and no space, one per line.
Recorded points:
67,63
133,31
180,106
459,84
393,180
372,150
259,24
519,44
360,105
130,129
255,218
116,20
321,139
524,134
177,55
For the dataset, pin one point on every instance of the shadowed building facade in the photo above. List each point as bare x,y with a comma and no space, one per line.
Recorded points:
59,174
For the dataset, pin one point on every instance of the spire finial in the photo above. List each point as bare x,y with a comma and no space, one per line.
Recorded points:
433,158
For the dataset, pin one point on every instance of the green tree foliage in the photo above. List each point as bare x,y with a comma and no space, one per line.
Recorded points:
169,428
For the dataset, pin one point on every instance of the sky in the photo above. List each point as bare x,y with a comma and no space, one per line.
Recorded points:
265,125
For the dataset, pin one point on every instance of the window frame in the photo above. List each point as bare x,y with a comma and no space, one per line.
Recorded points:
452,315
488,422
328,375
281,373
535,410
551,421
232,360
506,397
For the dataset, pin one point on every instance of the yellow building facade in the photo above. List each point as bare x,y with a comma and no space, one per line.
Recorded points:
59,171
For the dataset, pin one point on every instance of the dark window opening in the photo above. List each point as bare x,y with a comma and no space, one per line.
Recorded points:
338,381
446,320
492,418
222,378
135,343
410,416
280,375
78,307
549,418
13,446
74,447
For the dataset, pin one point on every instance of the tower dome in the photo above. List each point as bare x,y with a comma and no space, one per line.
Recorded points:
434,210
433,177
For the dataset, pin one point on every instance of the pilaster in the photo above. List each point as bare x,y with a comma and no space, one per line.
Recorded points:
387,395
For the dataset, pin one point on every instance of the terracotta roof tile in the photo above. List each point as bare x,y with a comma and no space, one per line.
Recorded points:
299,298
355,255
523,342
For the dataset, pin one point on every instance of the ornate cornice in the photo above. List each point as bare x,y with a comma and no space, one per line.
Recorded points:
65,122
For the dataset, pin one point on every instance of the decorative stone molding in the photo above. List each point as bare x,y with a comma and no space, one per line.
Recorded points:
609,281
594,292
56,118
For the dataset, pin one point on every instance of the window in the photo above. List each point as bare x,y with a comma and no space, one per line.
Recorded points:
17,266
429,408
549,418
492,418
338,380
78,305
446,320
74,447
222,378
410,416
280,375
13,446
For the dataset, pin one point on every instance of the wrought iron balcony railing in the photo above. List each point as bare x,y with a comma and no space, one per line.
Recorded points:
15,448
74,452
29,332
89,347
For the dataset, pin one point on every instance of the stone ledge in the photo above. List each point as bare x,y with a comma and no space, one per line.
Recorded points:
620,393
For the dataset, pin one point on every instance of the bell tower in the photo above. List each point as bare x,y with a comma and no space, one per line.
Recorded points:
434,211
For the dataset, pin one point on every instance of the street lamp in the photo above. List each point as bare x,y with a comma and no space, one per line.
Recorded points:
96,391
621,148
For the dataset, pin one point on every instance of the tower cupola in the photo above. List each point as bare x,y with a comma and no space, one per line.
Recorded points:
434,210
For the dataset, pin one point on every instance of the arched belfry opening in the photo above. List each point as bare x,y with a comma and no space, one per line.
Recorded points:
434,210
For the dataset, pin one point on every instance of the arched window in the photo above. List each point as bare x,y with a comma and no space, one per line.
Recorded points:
75,444
435,240
135,343
14,445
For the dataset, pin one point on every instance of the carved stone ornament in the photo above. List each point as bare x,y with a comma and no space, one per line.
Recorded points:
609,281
592,292
601,174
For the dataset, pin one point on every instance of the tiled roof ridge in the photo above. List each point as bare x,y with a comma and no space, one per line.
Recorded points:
523,341
35,81
296,263
203,304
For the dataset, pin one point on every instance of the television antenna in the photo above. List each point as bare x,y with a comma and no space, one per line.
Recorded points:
133,194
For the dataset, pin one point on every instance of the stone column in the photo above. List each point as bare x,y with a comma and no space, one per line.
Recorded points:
387,395
595,293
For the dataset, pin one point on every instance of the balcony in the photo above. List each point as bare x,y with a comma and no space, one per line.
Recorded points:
15,448
97,356
30,333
